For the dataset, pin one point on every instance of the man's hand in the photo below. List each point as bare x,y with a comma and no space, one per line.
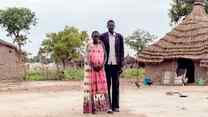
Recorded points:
120,71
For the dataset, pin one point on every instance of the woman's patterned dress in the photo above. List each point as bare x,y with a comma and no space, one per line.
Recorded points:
95,84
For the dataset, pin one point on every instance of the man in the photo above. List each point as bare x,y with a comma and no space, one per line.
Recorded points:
114,46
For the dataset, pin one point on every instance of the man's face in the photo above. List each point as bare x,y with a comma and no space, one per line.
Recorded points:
111,26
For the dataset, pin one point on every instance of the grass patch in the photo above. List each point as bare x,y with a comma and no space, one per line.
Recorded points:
34,75
132,73
69,74
42,75
76,74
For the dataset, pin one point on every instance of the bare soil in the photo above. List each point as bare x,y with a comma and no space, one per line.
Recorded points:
64,99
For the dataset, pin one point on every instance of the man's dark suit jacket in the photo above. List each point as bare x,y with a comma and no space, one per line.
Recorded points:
119,47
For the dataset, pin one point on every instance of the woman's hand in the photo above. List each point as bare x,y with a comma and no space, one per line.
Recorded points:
97,68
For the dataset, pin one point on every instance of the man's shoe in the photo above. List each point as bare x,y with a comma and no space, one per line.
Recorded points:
93,113
110,111
116,110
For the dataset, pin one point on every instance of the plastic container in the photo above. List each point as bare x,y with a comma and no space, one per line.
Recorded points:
147,80
200,82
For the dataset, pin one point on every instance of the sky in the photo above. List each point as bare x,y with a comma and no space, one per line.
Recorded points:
89,15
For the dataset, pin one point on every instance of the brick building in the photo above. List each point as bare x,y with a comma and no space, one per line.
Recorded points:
11,69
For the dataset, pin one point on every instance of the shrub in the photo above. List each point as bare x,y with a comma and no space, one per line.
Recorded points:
34,75
69,74
133,73
76,74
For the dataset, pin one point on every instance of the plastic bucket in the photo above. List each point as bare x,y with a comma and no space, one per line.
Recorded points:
200,82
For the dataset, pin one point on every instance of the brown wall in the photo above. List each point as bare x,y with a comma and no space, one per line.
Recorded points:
156,71
200,72
10,68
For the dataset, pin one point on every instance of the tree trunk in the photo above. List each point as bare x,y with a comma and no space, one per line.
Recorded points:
20,53
64,64
57,67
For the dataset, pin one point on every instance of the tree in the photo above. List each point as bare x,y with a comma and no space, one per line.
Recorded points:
181,8
139,39
17,22
34,59
84,37
25,56
65,45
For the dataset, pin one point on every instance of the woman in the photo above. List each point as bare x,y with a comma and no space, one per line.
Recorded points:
95,85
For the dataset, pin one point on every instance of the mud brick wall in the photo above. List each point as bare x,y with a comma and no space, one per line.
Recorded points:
10,68
156,71
200,72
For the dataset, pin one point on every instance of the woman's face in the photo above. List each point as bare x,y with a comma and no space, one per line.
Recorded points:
95,37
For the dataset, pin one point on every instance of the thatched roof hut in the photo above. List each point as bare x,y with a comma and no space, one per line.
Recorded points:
130,62
185,46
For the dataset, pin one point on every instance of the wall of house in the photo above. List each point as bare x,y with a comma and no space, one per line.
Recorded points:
10,68
156,71
200,72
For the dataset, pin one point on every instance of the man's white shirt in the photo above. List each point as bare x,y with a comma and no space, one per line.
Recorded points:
112,52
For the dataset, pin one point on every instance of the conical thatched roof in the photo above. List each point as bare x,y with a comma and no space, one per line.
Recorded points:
130,60
188,39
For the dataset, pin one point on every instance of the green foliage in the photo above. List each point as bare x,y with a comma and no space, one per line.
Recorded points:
34,75
74,74
44,75
180,8
68,74
17,22
133,73
139,39
65,45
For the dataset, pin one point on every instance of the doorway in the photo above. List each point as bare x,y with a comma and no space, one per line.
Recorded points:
188,65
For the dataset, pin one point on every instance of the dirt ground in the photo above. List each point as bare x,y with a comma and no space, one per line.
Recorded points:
64,99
